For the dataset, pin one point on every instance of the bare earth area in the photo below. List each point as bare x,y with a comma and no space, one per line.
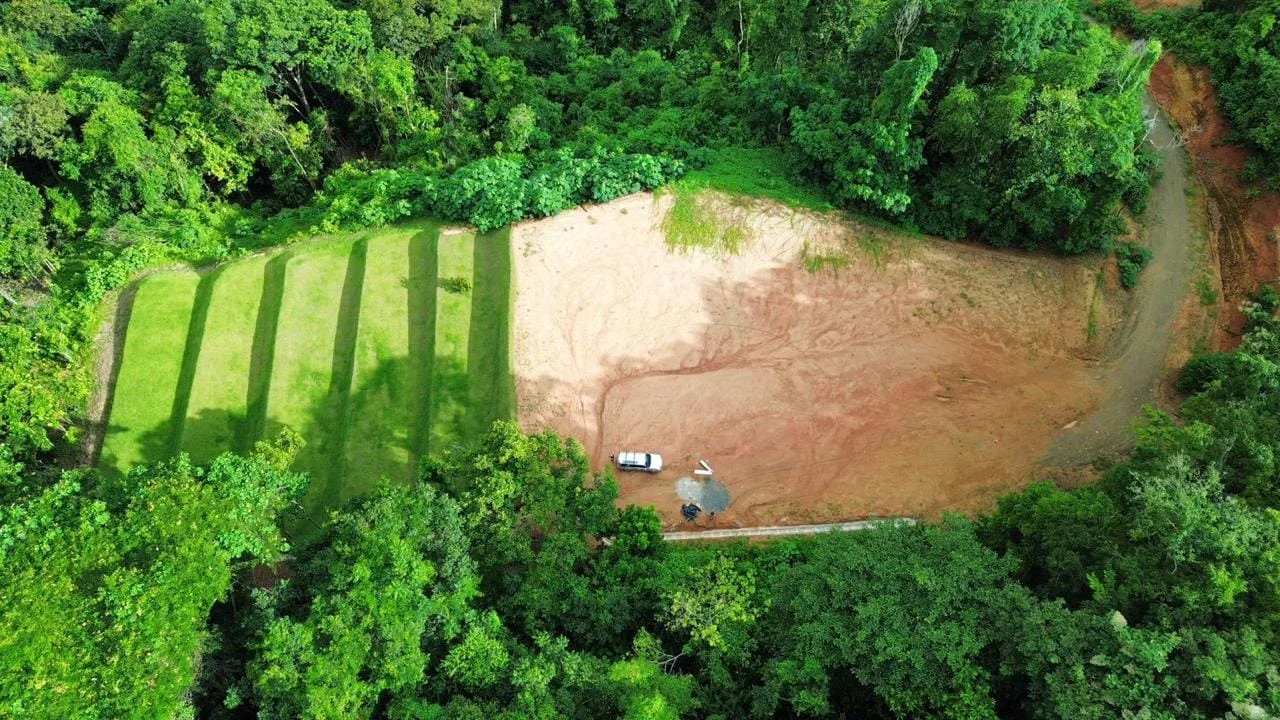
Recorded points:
929,377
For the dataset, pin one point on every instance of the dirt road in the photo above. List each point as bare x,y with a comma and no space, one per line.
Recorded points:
1134,362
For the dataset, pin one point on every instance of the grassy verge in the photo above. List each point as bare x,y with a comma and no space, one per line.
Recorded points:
757,173
140,428
217,408
450,380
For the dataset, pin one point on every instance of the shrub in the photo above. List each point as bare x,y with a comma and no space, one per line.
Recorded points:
1131,259
1201,371
455,285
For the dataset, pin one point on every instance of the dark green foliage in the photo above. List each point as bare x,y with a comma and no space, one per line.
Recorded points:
901,614
1202,370
1130,260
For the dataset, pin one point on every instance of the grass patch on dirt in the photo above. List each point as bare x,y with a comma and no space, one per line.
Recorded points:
816,262
140,428
709,212
699,220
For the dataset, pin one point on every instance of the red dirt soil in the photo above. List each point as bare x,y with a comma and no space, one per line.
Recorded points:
927,380
1242,230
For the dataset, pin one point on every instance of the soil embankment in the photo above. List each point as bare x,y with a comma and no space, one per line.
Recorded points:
1243,219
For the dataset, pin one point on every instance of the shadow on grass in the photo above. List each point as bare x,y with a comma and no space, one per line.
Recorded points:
191,356
264,343
324,456
492,392
119,332
423,268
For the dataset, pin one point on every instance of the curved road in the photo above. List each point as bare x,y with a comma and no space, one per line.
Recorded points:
1134,361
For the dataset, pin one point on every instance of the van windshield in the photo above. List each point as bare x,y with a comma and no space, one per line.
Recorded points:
648,460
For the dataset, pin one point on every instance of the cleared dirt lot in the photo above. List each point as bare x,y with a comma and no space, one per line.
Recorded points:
927,376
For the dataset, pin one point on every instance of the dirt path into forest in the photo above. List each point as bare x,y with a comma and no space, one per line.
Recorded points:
1242,219
1135,360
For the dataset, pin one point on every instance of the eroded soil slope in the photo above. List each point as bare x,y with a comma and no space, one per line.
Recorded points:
927,378
1243,220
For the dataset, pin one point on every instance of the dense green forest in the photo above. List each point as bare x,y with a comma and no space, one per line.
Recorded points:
506,582
487,590
1236,39
141,132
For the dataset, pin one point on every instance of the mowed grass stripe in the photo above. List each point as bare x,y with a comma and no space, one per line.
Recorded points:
217,408
450,382
262,359
423,274
489,361
303,360
190,358
140,428
336,422
381,403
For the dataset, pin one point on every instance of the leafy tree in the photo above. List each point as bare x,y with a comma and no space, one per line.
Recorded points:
905,613
108,584
387,591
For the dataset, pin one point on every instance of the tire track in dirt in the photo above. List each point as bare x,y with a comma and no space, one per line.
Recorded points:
1134,362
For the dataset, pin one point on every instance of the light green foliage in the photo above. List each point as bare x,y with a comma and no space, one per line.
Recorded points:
387,592
107,585
646,693
710,601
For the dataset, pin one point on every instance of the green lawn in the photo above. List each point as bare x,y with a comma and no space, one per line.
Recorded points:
308,385
217,410
360,343
450,383
380,441
140,427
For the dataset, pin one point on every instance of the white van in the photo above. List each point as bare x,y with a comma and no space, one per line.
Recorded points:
644,462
